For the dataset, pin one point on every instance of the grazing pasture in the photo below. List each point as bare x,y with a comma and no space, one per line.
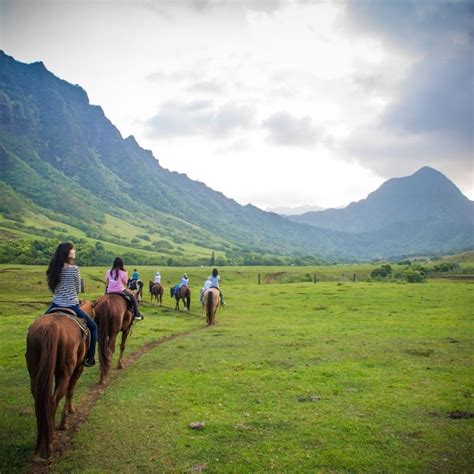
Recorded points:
294,377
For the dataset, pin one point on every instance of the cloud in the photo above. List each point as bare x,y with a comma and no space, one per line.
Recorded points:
429,118
411,24
287,130
207,87
268,6
199,118
437,97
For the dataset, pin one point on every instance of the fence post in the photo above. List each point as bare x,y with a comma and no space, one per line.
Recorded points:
314,279
82,286
259,278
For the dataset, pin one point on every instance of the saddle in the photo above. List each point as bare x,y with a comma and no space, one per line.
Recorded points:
71,314
126,296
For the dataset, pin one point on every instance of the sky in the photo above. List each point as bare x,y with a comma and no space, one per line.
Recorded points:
274,103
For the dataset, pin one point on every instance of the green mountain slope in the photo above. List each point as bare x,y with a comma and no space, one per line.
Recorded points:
67,172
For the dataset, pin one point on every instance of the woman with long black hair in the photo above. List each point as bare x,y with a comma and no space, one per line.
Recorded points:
64,280
116,279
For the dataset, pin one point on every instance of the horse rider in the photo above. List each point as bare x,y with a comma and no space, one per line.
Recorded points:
157,278
213,281
116,279
64,280
134,279
184,282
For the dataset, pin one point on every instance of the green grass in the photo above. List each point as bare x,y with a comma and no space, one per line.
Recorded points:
295,377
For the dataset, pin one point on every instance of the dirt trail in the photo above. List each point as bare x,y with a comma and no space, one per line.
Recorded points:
64,439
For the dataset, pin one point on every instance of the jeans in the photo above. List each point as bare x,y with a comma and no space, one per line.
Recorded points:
90,324
133,302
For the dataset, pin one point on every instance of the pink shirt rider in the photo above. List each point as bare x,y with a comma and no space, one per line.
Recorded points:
116,286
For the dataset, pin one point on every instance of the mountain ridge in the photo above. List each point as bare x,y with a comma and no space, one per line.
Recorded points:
394,201
63,155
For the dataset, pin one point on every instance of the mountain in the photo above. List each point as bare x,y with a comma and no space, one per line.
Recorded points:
293,211
60,157
67,173
425,196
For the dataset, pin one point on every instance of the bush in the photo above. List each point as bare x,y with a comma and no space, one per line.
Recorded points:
445,267
414,276
381,272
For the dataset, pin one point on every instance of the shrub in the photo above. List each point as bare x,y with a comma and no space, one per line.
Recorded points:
381,272
414,276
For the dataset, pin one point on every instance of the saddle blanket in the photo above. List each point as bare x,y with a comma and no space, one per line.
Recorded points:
70,313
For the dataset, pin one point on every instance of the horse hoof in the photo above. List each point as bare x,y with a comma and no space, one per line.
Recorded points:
37,458
72,410
119,365
63,427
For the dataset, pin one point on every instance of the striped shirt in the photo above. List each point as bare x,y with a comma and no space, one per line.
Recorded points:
66,293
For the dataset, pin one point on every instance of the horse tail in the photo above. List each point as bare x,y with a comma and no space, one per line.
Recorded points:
103,318
209,306
45,345
103,343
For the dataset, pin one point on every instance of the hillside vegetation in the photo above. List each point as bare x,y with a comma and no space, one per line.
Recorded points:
67,173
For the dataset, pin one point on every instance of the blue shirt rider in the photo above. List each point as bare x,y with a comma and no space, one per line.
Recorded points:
184,282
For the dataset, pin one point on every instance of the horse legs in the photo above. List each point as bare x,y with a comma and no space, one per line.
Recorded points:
68,408
122,347
105,366
61,390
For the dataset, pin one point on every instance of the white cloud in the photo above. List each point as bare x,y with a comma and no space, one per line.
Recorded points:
199,118
287,130
215,88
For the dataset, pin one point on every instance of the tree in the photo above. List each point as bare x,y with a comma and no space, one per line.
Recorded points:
213,259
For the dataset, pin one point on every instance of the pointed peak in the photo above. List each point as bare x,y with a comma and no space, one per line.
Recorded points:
427,171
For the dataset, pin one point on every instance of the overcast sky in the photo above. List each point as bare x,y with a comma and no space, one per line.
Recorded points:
277,103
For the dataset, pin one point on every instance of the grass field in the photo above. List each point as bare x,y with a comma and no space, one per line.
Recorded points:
295,377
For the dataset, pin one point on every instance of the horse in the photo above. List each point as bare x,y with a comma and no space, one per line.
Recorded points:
183,293
112,315
137,286
211,299
55,354
156,291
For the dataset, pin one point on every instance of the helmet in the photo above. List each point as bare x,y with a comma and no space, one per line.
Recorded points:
157,273
185,275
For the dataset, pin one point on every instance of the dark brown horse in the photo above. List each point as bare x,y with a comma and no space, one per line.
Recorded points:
112,316
184,294
55,353
137,287
212,298
156,291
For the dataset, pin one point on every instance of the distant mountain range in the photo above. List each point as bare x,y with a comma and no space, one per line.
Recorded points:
294,211
66,170
427,195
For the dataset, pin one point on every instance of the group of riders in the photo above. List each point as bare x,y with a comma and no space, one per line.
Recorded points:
64,280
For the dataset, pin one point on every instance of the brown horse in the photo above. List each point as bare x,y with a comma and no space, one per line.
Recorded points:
183,293
212,298
112,316
55,354
156,291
